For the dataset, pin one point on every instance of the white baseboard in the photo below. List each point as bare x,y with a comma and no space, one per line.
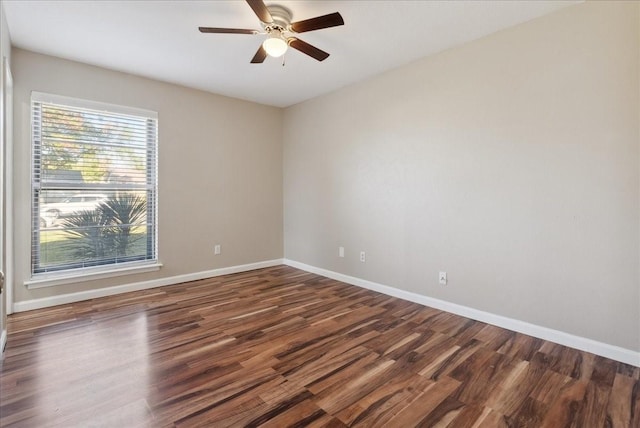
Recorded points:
582,343
46,302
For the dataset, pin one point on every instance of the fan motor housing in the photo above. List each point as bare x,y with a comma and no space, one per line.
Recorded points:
281,18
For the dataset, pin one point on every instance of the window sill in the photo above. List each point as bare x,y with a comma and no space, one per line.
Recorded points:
89,274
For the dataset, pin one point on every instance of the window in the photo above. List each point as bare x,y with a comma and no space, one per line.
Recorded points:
94,186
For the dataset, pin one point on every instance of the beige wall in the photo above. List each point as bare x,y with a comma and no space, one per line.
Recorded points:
511,162
220,169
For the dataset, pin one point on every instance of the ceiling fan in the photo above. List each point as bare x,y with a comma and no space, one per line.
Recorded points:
276,23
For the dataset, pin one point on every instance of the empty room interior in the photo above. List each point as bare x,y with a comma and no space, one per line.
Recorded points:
320,213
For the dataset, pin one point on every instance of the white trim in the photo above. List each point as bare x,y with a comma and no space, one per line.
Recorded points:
3,341
582,343
43,97
46,302
89,274
8,182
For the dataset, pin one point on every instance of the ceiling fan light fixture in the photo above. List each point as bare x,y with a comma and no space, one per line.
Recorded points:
281,32
275,45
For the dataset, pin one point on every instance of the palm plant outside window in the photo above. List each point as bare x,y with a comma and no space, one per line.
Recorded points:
94,185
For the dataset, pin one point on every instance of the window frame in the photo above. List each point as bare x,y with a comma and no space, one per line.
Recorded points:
43,277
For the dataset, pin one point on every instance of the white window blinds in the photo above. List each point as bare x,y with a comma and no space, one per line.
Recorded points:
94,184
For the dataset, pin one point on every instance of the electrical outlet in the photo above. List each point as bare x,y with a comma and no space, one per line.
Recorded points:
340,251
216,249
443,278
363,256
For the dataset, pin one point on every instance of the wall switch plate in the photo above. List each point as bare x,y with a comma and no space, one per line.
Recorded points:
216,249
363,256
340,251
442,278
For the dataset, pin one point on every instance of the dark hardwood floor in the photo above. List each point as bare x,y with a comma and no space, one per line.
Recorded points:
281,347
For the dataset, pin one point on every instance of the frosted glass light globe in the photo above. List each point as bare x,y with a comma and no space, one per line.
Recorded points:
275,46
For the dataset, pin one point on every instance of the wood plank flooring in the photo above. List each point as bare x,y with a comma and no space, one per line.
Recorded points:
281,347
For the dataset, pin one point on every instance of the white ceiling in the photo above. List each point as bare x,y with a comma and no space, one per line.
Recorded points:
160,39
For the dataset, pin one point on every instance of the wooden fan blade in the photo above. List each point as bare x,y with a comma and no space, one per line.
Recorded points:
260,56
318,23
226,30
260,9
308,49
